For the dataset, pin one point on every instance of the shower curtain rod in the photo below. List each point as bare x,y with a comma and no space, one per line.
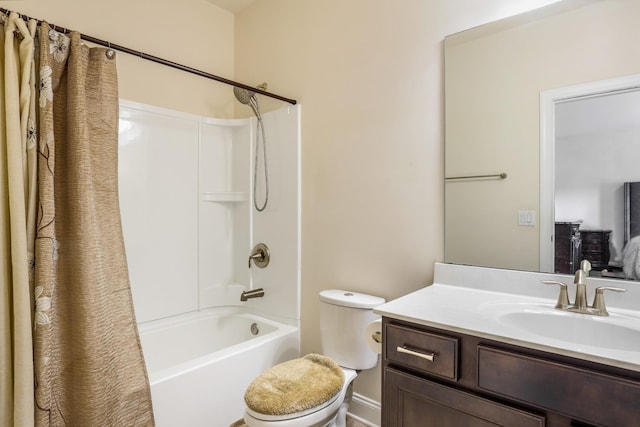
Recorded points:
159,60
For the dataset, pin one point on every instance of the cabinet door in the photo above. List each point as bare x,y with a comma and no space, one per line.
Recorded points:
591,396
410,401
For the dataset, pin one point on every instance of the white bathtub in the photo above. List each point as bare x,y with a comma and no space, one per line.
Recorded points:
200,363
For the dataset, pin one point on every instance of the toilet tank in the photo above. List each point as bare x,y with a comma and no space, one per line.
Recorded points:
344,317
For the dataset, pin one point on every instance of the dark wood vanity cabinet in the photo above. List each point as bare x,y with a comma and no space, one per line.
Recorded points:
420,402
478,382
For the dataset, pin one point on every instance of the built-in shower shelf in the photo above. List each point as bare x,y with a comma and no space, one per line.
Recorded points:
225,196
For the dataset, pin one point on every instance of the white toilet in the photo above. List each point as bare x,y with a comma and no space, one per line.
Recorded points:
344,317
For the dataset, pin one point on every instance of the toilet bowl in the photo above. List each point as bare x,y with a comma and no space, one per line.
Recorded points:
344,317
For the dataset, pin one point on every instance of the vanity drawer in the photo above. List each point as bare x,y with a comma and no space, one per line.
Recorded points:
578,393
426,352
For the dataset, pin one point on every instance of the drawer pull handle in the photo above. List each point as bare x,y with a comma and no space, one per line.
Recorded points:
426,356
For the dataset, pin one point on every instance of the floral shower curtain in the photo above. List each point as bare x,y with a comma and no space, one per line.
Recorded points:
70,354
88,361
17,217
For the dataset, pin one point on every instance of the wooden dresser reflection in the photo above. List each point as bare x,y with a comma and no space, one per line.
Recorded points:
595,247
573,245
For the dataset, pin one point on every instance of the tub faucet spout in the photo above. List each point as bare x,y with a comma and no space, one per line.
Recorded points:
254,293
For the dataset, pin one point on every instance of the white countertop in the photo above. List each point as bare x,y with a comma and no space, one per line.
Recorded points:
477,310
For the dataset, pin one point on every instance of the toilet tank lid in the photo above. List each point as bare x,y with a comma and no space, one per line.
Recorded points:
350,299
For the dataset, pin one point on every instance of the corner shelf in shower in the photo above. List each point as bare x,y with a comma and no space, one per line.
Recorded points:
225,196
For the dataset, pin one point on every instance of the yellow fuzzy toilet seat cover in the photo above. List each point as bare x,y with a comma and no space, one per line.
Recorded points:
295,386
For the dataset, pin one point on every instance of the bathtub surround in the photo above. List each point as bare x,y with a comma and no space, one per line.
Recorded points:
204,212
195,329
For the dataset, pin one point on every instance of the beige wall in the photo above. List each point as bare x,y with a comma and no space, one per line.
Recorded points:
191,32
369,77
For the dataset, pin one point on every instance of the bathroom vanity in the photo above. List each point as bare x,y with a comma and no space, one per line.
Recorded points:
479,355
487,347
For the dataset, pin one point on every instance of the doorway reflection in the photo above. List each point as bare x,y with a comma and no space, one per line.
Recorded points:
597,149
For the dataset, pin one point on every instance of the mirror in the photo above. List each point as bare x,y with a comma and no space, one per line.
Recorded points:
511,90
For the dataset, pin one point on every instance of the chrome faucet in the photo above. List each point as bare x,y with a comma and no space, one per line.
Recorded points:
580,280
253,293
580,306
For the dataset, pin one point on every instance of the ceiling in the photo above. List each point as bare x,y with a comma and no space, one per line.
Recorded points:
233,6
617,111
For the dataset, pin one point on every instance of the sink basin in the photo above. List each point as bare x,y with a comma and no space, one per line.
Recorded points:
513,308
616,333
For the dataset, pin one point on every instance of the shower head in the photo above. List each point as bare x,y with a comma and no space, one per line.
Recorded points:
249,98
243,96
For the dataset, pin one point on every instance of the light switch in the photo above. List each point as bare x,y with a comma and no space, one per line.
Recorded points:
527,218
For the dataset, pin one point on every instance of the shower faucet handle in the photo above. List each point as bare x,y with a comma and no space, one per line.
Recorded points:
260,256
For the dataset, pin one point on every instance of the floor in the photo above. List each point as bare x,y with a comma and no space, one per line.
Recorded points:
353,423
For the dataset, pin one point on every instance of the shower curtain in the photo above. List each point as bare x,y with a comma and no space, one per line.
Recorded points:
88,359
69,348
17,216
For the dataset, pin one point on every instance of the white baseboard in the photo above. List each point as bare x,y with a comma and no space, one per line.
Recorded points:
365,410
